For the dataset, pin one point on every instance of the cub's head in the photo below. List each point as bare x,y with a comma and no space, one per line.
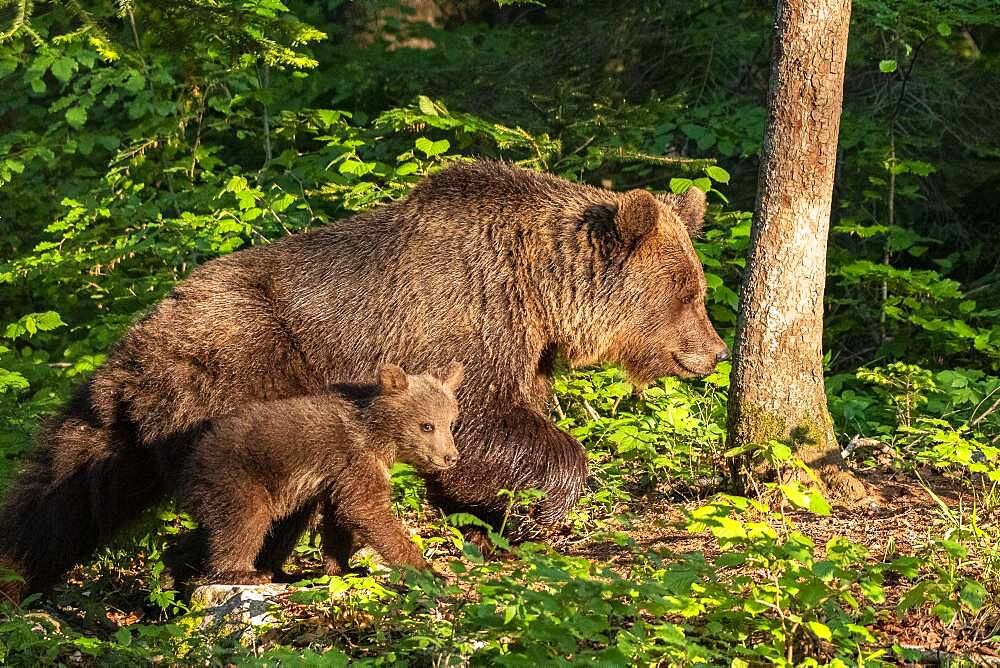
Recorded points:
654,322
420,411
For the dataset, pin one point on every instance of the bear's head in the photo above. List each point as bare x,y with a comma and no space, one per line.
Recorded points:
417,414
654,287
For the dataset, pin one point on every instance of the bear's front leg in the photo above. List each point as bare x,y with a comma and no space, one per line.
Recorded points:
517,449
370,521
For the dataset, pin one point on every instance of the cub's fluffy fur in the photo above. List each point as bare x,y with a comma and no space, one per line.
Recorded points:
256,476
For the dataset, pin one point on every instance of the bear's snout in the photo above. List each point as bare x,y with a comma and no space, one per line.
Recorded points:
449,455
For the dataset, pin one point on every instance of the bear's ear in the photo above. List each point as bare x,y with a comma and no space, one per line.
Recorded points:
690,208
392,379
637,215
451,375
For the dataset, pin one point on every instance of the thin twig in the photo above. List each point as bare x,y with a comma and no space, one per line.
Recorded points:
906,79
982,416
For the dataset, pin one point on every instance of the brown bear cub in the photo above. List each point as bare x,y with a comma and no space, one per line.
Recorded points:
256,476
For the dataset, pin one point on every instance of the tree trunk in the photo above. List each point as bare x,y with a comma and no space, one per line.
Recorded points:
777,388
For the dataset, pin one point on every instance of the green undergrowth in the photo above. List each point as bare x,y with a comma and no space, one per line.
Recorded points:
758,589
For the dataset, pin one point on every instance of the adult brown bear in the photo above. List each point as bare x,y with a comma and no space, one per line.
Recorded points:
495,266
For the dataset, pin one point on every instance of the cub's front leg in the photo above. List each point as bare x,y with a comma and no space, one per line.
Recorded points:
364,517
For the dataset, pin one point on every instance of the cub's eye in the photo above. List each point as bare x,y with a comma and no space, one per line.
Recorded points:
687,299
426,427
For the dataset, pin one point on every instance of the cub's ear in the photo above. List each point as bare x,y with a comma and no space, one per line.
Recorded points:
637,215
451,375
690,208
392,378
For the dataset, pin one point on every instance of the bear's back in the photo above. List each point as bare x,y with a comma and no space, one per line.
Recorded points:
283,434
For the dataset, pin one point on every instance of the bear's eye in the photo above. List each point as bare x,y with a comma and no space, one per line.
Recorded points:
687,299
426,427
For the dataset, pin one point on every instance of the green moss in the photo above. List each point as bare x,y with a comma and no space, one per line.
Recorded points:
757,425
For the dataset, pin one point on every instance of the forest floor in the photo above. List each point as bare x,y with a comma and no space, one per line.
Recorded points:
900,518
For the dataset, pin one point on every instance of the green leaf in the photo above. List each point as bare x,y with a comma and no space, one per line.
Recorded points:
407,168
887,66
283,202
351,167
135,82
953,548
908,567
820,630
717,173
693,131
915,596
726,527
63,69
509,613
237,184
76,116
432,148
806,499
124,637
973,595
673,634
680,186
944,29
12,380
465,520
472,552
618,390
48,320
426,106
818,504
780,451
873,591
945,610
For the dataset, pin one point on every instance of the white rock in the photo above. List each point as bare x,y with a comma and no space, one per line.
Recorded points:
235,611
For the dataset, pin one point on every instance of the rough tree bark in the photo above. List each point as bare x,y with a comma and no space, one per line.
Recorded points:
777,379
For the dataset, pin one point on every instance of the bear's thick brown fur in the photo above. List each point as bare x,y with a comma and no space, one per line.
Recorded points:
273,463
495,266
